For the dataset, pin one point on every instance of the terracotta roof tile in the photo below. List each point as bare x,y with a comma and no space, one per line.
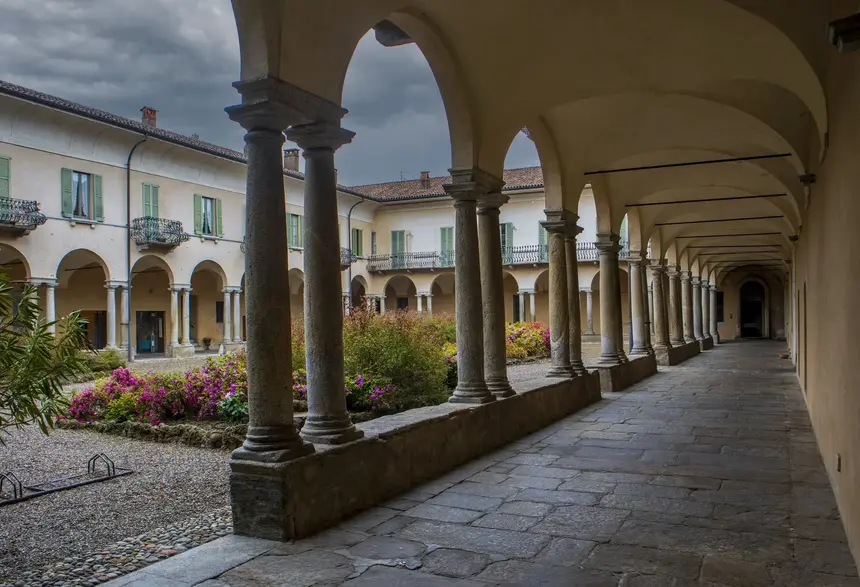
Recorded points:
411,189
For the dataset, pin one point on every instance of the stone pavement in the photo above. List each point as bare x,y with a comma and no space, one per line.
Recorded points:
705,475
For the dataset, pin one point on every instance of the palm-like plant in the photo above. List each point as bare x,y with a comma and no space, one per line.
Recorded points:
35,363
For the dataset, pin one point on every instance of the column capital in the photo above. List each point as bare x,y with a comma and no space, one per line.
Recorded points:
491,202
424,293
229,289
270,103
585,290
46,281
607,242
319,135
471,185
116,284
673,271
638,258
695,281
179,286
560,221
686,275
713,287
527,291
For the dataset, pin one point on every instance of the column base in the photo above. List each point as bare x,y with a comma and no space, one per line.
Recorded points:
271,444
622,357
639,351
608,361
689,339
677,341
230,347
565,371
471,393
182,351
323,429
649,350
500,387
590,333
578,367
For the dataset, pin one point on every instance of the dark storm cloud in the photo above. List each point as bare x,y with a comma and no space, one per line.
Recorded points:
180,57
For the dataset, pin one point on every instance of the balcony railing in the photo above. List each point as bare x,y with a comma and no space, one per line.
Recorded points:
20,216
149,232
346,258
523,255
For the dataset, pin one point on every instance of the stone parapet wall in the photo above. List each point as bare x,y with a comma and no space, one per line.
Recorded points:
678,354
397,453
622,376
706,344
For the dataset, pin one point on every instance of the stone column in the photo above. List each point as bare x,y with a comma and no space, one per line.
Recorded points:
272,435
661,320
328,421
124,326
715,333
589,311
532,305
493,290
559,322
610,306
228,323
237,317
419,300
50,305
522,316
111,315
649,317
651,306
174,316
382,304
697,308
637,304
706,308
429,303
186,317
466,188
573,313
687,307
622,355
676,332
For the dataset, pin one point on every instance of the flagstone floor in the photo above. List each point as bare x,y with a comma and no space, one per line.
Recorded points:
704,475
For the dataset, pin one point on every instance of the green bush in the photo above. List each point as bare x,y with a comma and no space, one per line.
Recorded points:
103,361
122,409
396,347
297,344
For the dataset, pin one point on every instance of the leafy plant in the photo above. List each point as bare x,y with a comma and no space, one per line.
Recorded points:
35,363
121,409
233,408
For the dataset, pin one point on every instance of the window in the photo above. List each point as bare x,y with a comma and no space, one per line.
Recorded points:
295,236
357,242
373,243
543,247
81,195
507,233
398,249
207,216
150,200
446,249
720,307
219,312
5,177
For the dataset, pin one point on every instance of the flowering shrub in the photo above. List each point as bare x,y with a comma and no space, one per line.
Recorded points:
300,384
233,408
526,340
365,394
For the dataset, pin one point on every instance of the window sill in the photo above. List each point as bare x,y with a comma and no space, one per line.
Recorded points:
296,249
209,237
84,221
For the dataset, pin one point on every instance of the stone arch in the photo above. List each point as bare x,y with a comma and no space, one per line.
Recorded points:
442,289
358,291
80,259
208,280
400,293
513,306
151,278
14,264
749,283
81,279
297,291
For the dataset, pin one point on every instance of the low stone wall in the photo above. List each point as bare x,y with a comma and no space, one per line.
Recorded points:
706,344
623,376
297,498
678,354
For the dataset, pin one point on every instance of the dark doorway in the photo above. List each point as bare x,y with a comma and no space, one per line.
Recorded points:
752,310
96,327
518,316
150,332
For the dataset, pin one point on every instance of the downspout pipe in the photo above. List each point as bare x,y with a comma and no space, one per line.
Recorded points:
349,240
130,350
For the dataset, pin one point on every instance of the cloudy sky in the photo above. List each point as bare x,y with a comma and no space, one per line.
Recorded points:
180,57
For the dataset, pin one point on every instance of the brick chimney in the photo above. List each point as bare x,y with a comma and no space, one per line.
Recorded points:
149,116
425,180
291,160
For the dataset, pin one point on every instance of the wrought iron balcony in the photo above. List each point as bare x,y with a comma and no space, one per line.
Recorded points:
19,217
346,258
149,232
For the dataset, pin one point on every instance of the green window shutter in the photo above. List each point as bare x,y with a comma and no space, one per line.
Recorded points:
68,203
98,204
5,177
153,201
219,226
357,235
447,238
147,199
398,241
300,237
198,214
289,230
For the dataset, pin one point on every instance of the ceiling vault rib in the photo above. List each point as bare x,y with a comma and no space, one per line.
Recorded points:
689,163
717,220
769,246
704,200
731,235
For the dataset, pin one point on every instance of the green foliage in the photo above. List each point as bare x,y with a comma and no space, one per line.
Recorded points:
103,361
122,409
526,340
396,347
34,363
233,408
297,344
